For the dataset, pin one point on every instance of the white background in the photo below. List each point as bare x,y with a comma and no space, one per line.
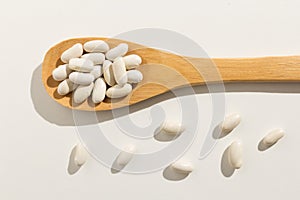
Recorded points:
34,152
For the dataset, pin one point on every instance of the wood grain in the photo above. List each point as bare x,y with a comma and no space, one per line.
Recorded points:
164,71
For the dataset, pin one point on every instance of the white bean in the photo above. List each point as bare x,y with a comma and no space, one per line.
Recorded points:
61,72
119,71
108,73
230,122
81,64
97,46
273,137
74,52
82,92
126,155
183,166
118,91
99,90
81,78
171,127
235,154
132,61
118,51
65,87
97,71
134,76
80,155
96,58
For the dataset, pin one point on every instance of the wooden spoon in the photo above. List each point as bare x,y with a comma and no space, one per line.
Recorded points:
165,71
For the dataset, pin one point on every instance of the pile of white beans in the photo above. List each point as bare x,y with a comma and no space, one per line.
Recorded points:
93,69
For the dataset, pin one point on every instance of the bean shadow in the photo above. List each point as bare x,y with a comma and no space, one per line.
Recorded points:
263,147
171,174
226,169
116,168
161,136
218,133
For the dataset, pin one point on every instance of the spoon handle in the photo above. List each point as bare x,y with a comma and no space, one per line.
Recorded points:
271,69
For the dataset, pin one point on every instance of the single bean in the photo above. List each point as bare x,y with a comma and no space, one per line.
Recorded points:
99,90
171,127
184,167
82,93
96,58
81,64
108,73
235,154
118,51
118,91
81,78
74,52
97,71
97,46
230,122
134,76
126,155
61,72
119,71
132,61
273,137
66,87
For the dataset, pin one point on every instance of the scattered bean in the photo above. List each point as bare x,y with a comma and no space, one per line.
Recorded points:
126,155
235,154
171,127
80,155
230,122
183,167
273,137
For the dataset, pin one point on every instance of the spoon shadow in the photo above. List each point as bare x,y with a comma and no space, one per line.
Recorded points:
57,114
